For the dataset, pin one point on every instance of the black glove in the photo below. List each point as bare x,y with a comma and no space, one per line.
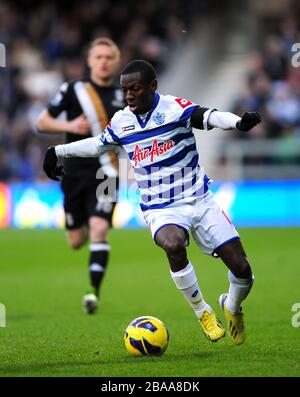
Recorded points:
50,164
248,121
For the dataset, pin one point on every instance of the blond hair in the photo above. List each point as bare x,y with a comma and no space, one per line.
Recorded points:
108,42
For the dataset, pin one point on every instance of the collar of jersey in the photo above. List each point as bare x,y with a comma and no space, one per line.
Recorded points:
144,122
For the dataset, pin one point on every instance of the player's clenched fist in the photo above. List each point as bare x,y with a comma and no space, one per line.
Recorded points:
50,164
248,121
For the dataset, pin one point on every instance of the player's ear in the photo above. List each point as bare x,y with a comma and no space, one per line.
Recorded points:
153,85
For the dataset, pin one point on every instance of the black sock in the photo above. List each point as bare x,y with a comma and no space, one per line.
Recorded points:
99,253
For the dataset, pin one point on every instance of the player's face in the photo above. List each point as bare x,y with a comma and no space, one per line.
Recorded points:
138,94
103,62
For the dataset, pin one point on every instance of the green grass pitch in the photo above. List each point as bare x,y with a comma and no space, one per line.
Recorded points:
42,282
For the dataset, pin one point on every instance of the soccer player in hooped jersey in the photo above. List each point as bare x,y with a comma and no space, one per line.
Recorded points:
156,132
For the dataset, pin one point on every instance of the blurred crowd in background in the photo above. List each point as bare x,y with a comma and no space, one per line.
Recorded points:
47,45
273,89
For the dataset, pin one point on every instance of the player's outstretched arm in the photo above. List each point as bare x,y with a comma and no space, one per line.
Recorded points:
89,147
227,120
204,118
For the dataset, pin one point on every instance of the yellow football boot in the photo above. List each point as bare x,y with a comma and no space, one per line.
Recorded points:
235,322
212,327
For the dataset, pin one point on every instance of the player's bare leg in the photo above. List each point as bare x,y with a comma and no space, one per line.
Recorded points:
99,254
241,280
77,237
172,239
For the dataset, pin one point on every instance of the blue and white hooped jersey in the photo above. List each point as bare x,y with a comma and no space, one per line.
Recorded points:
162,151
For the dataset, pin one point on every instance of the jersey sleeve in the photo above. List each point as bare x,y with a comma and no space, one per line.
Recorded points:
109,136
61,101
88,147
183,108
193,114
199,118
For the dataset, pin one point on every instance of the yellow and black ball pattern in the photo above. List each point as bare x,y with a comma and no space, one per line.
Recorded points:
146,336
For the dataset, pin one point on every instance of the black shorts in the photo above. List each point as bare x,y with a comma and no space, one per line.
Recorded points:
81,203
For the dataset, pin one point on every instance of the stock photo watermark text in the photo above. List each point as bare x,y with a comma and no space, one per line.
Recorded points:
296,317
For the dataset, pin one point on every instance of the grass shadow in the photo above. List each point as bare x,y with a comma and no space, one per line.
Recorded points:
40,367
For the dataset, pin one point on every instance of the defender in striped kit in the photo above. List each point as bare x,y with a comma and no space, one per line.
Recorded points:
156,132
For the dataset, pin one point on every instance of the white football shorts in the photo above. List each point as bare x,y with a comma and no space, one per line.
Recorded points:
210,226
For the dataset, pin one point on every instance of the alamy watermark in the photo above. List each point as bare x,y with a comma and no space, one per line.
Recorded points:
296,317
2,56
151,183
296,56
2,315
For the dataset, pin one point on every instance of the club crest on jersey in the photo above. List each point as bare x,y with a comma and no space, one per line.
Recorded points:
156,150
159,118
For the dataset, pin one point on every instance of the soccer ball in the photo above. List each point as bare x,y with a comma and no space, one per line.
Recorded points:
146,336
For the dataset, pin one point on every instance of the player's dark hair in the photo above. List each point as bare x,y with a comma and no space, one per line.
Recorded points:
147,71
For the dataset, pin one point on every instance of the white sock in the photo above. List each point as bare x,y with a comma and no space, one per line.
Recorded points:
186,281
239,288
